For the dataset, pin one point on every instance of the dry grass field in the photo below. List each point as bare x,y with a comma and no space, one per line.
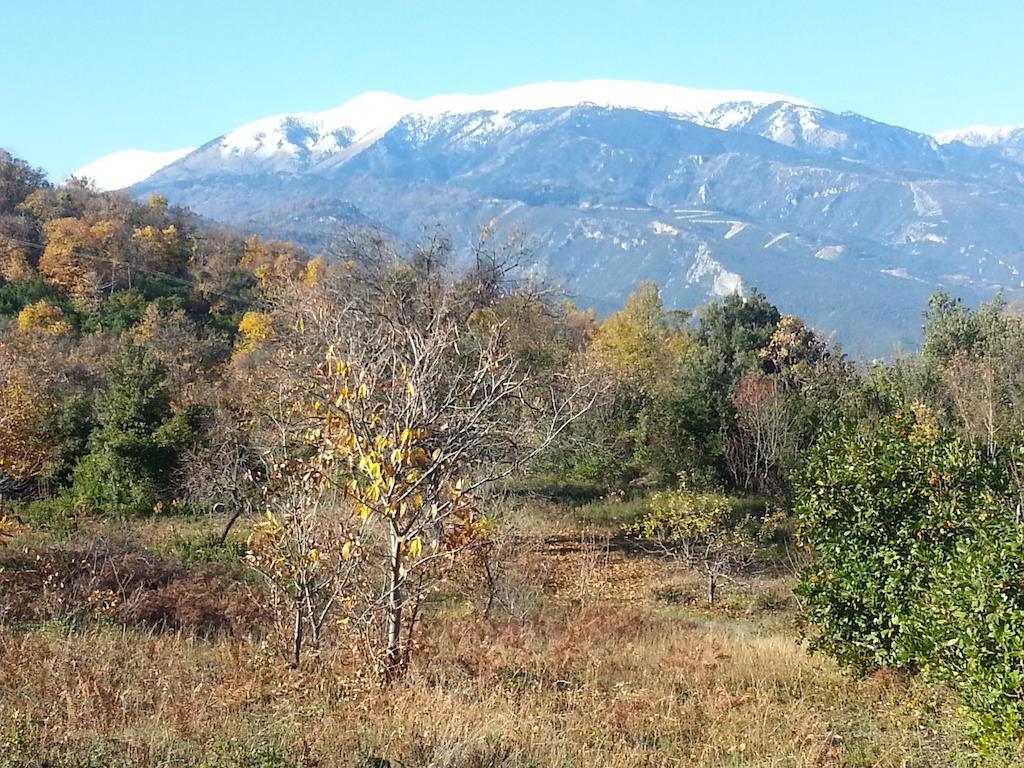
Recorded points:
592,655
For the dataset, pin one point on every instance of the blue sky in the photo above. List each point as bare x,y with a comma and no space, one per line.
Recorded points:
80,79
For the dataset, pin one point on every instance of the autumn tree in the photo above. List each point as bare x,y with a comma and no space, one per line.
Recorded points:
254,330
34,368
26,442
642,342
18,180
399,412
43,317
74,256
791,345
161,250
19,236
190,354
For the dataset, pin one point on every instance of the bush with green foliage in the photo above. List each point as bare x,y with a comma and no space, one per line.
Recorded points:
969,630
703,530
880,508
919,562
16,295
208,548
117,313
260,755
137,441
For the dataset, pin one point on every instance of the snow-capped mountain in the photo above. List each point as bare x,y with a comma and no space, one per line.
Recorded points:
332,137
845,220
984,135
1005,141
366,118
130,166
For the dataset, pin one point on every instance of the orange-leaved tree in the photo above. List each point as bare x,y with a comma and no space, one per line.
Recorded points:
26,445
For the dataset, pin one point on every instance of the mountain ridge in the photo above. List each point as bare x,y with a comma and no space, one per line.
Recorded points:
845,220
371,114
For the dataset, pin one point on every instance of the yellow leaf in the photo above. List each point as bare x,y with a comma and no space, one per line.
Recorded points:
7,526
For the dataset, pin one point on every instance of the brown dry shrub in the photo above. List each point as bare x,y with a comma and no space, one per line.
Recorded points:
118,579
202,602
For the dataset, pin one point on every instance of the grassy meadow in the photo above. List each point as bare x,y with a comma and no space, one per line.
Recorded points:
589,654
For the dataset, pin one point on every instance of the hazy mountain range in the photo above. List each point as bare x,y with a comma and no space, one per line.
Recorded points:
848,222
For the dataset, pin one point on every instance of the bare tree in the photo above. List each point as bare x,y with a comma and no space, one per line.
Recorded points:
763,442
223,472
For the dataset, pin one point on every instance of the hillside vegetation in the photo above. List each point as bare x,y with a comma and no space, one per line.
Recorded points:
375,507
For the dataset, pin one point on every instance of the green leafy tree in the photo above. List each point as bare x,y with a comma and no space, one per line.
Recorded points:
968,630
951,328
736,330
880,508
136,443
681,429
920,562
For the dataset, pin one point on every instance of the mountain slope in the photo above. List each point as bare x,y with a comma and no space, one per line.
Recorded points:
122,169
842,219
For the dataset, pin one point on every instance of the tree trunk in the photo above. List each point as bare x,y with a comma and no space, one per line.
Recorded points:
393,656
230,523
297,636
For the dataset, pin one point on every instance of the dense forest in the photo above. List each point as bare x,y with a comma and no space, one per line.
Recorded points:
358,429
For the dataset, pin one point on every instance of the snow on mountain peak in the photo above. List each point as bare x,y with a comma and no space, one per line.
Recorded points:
356,120
624,94
980,135
122,169
366,117
279,140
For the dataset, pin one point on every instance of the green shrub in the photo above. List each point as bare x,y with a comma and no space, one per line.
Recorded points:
55,516
874,509
556,488
680,514
232,755
613,512
206,548
920,563
703,530
119,312
969,631
109,482
15,296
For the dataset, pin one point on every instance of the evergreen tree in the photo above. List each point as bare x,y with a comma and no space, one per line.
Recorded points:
137,441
